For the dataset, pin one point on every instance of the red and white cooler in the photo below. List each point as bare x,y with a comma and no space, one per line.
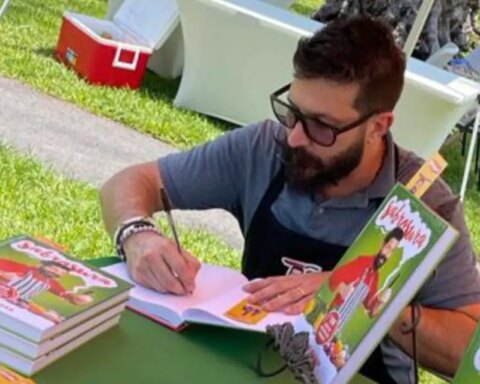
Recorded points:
115,53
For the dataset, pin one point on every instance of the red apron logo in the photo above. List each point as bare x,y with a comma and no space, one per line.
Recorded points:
327,328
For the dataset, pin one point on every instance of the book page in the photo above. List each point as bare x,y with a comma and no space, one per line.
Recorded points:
213,312
210,282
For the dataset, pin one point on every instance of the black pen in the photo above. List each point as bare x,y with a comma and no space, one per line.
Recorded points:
168,210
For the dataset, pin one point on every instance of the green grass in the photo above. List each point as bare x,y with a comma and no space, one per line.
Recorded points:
28,36
35,200
453,175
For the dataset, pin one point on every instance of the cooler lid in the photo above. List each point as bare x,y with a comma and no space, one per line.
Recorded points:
151,20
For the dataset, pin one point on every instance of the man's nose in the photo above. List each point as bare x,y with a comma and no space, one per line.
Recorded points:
297,136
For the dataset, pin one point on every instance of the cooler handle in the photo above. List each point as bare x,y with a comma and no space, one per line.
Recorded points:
121,64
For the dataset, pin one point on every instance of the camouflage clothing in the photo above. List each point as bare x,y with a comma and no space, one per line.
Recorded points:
449,20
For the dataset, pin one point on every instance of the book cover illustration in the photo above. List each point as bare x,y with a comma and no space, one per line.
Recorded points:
42,286
469,369
370,274
7,376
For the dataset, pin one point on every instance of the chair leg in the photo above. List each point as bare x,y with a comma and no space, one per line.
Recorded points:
477,158
477,165
471,154
464,142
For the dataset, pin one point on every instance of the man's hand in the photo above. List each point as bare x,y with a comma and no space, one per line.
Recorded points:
379,302
52,316
289,294
7,276
154,262
345,290
79,299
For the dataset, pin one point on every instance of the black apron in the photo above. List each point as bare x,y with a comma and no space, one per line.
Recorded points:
269,248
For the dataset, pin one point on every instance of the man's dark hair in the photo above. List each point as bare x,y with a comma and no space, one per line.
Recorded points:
357,50
48,263
395,233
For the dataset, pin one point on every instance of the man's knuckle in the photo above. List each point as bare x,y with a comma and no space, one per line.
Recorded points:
292,295
138,271
181,268
149,255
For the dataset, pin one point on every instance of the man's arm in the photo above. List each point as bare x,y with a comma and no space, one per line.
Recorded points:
131,192
10,266
228,173
442,336
153,260
77,299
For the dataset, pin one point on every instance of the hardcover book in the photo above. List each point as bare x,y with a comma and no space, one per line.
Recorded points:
44,292
378,276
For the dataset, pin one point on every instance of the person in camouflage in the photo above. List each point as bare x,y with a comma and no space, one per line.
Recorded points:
449,20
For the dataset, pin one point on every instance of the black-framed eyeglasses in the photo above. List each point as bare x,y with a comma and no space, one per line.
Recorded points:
316,130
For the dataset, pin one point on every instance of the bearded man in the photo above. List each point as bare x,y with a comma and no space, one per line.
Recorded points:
302,189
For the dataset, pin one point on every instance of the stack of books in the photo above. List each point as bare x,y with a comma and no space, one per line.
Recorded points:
51,303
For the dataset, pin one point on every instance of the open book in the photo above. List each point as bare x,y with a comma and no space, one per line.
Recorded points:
374,281
218,290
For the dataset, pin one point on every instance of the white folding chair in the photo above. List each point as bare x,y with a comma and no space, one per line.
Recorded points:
432,102
236,53
3,6
443,55
168,61
472,65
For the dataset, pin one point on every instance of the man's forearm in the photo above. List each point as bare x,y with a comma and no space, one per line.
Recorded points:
132,192
442,337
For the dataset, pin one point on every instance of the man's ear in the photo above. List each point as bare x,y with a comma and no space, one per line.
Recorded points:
380,125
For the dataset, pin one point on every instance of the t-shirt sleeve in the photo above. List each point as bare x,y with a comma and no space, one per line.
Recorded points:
456,281
221,173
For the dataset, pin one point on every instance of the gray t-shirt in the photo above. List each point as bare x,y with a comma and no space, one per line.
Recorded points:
234,171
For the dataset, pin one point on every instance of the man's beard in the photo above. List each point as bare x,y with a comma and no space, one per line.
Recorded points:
307,173
380,260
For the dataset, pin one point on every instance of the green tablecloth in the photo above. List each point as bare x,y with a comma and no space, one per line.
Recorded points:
140,351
